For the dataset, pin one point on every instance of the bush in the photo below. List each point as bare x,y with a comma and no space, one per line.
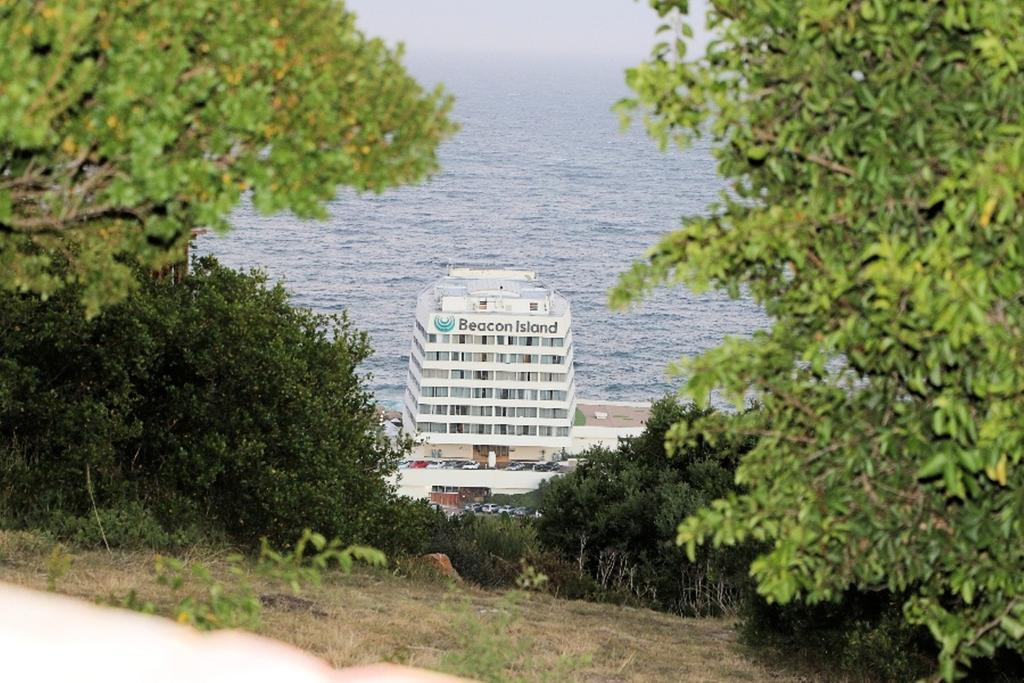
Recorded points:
864,634
564,579
408,527
487,550
128,526
614,518
210,403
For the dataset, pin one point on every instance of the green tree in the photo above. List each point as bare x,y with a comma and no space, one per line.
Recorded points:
211,403
123,125
876,158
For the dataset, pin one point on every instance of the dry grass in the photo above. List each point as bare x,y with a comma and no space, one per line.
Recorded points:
372,616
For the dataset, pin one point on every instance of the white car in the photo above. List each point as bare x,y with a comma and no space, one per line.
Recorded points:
435,465
471,466
489,508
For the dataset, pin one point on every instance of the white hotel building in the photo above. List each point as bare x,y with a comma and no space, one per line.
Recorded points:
491,369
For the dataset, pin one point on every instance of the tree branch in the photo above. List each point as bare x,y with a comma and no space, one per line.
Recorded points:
54,224
765,136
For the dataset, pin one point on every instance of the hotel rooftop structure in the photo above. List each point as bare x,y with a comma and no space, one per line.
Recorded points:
491,371
491,368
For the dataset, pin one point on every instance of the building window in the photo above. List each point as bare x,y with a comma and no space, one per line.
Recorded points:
533,305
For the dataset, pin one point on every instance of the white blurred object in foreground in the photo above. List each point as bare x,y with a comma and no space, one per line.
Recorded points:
45,637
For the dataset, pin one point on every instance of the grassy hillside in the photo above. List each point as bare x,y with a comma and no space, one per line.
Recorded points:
374,615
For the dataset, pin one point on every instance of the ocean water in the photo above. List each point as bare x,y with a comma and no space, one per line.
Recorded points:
539,177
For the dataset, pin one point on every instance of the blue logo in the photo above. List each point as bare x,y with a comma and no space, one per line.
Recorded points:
444,323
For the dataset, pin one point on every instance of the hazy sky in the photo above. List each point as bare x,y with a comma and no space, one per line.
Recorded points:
621,29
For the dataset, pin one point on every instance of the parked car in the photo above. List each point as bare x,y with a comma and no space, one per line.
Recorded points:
453,464
520,512
517,466
418,464
435,465
505,510
471,466
489,508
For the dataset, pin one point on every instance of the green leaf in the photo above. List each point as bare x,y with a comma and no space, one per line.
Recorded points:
1014,628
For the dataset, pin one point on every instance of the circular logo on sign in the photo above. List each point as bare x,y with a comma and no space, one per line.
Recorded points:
444,323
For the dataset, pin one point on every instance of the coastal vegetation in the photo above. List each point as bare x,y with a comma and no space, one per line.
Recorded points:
614,519
207,407
876,177
862,507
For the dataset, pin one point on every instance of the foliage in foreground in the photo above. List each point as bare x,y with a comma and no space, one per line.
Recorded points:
124,125
876,158
492,649
235,603
211,405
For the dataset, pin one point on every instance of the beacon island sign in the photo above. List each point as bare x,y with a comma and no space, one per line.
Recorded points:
450,323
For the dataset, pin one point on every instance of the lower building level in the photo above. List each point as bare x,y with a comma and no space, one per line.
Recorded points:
596,423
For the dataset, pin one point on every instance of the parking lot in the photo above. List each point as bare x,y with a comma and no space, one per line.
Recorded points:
487,509
472,465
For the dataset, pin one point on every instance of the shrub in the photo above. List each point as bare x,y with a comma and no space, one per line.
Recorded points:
129,525
863,634
487,550
210,403
408,527
614,518
564,579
